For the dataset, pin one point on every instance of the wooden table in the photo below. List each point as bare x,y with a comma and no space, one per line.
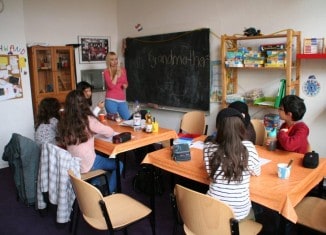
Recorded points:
139,139
280,195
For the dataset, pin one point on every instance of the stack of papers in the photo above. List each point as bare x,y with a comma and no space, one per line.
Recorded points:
130,123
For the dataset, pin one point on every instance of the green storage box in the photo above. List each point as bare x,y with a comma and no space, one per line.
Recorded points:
265,101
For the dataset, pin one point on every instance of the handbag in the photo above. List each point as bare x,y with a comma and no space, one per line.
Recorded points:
149,181
311,159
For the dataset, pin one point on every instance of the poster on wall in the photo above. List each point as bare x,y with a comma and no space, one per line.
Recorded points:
12,67
93,49
216,82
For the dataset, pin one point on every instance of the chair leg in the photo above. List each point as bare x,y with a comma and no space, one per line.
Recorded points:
74,217
152,218
234,224
76,222
177,218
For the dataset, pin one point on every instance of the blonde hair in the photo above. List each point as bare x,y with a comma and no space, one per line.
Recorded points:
113,72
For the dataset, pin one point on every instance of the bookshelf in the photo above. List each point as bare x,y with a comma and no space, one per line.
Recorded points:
291,68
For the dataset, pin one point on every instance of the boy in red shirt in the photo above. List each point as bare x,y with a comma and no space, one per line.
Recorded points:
293,134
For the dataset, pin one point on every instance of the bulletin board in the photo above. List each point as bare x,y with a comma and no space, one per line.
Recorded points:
170,70
10,77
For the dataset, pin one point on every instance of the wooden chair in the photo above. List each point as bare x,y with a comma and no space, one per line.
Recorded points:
94,174
205,215
311,213
111,213
193,122
88,176
260,131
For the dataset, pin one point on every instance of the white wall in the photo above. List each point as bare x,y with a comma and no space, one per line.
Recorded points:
55,23
226,17
60,22
16,114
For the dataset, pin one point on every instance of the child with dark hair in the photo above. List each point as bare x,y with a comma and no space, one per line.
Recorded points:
243,108
293,134
230,160
77,129
87,90
47,119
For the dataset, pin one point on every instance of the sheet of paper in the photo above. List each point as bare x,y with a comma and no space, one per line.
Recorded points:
197,145
131,123
263,161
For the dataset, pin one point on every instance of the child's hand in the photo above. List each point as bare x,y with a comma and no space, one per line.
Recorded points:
267,142
100,104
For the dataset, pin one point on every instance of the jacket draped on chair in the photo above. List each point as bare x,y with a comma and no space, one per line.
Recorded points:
53,178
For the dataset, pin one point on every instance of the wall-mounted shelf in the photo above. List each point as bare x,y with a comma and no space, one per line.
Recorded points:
291,69
311,56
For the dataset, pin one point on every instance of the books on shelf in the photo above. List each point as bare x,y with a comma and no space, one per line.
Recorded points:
313,45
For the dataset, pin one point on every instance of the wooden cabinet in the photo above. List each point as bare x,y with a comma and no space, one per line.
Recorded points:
291,68
52,72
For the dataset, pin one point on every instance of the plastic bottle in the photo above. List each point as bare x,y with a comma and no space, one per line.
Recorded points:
137,117
118,118
149,122
272,139
155,126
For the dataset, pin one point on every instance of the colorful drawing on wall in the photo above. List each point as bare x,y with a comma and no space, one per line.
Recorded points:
10,79
311,87
93,49
216,86
12,69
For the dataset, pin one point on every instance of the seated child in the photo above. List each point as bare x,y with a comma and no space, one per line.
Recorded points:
47,119
293,134
230,160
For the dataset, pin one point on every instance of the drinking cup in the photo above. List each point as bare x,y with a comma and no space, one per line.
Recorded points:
101,117
283,170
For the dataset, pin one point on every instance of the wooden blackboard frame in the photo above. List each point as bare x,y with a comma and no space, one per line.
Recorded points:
170,70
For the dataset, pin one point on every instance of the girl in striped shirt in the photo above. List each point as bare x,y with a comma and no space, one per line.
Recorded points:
230,160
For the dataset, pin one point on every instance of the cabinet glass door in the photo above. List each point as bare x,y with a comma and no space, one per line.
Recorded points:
44,71
64,69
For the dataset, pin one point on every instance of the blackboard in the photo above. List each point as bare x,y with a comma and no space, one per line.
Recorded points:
171,70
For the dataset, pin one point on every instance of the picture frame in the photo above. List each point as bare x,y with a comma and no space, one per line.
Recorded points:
93,49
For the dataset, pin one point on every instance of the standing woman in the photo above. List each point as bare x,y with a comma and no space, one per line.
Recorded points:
77,129
116,85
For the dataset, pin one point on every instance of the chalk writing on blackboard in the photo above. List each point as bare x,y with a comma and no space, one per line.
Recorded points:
170,69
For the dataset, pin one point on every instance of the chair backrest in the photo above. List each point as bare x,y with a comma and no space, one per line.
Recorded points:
193,122
202,214
260,131
88,198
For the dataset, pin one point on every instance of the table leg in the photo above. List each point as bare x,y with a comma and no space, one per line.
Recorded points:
118,173
153,217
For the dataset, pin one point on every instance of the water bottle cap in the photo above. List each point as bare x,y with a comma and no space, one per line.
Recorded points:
272,133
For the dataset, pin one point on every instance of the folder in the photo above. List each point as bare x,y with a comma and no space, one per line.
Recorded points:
280,93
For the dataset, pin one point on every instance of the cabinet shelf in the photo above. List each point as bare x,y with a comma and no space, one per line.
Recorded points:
291,70
312,56
52,72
